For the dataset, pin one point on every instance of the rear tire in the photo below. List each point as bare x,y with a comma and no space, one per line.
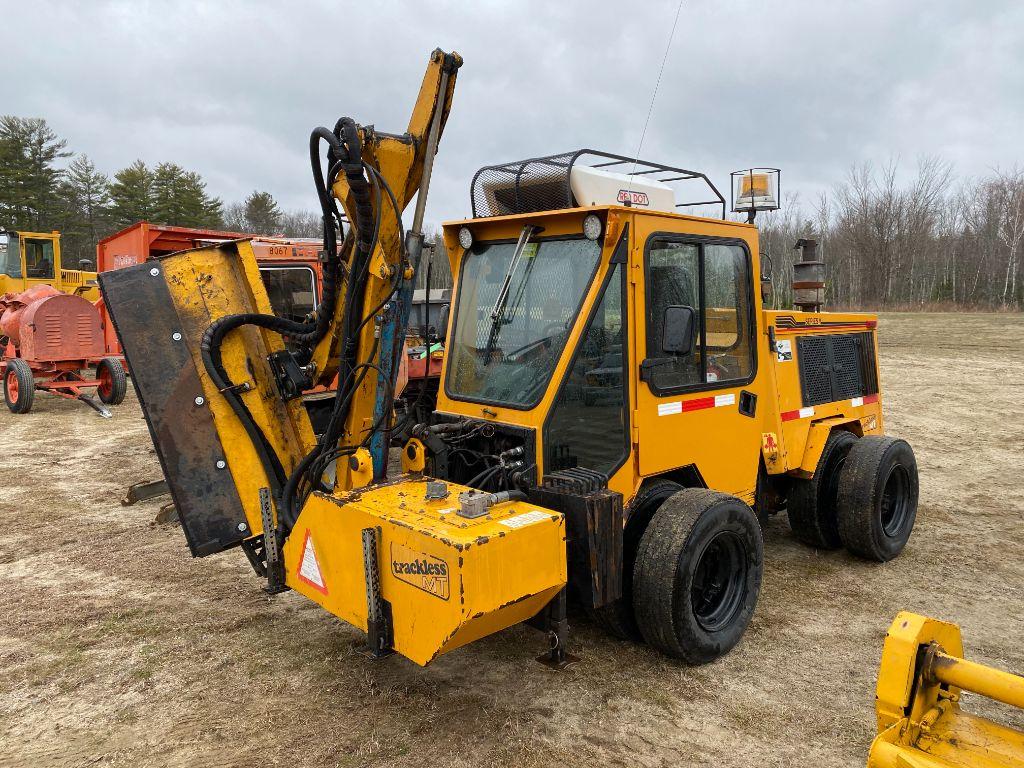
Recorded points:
878,493
697,575
19,386
617,617
811,505
113,381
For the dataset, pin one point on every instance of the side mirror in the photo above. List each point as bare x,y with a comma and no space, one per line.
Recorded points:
677,332
442,319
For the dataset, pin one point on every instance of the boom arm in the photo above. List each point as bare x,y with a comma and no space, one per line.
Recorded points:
382,268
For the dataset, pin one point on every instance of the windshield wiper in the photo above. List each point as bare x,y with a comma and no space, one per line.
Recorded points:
498,310
524,238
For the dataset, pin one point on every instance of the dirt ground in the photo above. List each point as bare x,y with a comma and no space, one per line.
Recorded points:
118,649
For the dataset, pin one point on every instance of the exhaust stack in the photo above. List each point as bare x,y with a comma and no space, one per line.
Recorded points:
808,277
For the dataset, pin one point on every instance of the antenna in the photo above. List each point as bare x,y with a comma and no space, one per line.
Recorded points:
650,109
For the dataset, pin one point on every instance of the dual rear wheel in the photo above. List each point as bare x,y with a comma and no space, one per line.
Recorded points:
863,496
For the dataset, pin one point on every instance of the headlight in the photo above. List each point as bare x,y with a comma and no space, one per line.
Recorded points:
465,238
592,227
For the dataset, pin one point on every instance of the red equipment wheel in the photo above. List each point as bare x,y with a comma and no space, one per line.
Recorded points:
19,386
113,384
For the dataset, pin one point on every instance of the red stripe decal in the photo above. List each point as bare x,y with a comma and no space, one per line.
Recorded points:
827,328
790,415
868,399
698,404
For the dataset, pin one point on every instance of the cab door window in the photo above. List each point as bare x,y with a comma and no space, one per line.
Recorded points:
587,427
39,259
713,279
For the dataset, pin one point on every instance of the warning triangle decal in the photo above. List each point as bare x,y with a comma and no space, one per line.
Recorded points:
309,567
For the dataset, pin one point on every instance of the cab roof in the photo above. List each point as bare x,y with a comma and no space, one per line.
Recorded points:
543,184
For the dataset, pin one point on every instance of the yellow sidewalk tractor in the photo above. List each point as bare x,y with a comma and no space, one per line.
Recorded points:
921,682
617,406
28,259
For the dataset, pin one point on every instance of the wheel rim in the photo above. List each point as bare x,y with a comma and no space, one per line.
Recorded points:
895,500
106,382
12,386
832,482
717,590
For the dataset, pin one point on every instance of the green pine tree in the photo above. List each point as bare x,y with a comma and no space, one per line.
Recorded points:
131,195
262,214
180,198
85,193
29,177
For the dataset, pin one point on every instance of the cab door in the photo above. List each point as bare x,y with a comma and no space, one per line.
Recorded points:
39,261
696,408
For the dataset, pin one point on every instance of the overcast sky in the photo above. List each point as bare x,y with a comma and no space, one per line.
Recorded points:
232,89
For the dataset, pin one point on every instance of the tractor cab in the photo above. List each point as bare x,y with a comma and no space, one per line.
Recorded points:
586,304
28,259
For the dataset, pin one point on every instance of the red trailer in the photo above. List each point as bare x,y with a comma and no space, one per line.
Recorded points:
52,341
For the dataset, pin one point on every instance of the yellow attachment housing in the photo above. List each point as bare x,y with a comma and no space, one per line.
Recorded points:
917,702
448,579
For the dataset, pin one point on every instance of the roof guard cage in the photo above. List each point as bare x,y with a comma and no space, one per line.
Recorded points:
542,183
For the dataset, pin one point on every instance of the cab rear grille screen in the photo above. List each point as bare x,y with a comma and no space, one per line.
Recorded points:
836,367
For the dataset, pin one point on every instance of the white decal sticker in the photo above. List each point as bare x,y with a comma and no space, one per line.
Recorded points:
857,402
721,400
309,568
784,350
806,413
526,518
667,409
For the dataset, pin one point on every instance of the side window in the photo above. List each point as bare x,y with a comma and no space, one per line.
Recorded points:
726,313
673,279
587,427
714,279
39,259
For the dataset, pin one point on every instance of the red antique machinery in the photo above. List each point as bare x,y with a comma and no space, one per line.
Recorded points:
53,341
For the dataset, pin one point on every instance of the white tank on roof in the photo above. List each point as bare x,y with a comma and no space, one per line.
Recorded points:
596,186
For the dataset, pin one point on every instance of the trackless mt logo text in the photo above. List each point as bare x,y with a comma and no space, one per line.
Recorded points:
420,570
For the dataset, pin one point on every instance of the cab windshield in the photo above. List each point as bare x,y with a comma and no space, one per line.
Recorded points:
10,255
505,344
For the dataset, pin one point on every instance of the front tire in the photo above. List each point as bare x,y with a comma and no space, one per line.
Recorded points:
877,502
697,575
19,386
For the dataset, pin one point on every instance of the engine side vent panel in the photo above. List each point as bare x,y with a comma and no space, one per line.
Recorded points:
836,367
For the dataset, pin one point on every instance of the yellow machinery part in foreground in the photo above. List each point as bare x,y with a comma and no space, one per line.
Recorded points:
448,580
444,579
920,722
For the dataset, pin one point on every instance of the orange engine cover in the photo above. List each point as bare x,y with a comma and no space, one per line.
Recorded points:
53,326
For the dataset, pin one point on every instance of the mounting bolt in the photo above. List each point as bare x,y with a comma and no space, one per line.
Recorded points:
176,336
154,271
200,400
221,463
242,527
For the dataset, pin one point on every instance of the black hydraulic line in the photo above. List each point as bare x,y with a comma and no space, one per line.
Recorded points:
483,477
